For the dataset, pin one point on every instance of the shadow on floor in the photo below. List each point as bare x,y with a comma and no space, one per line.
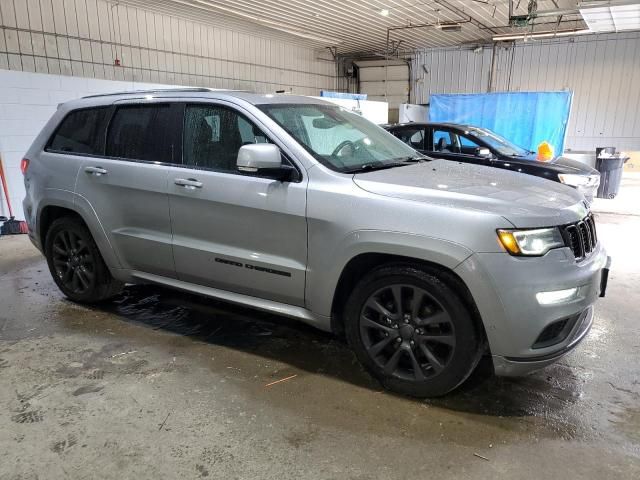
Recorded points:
311,350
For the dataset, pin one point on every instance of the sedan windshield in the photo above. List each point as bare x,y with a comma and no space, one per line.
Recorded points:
339,139
501,144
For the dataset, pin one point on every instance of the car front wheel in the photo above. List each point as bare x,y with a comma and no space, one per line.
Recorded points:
412,331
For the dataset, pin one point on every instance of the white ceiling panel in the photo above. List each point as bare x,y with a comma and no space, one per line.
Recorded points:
362,25
617,18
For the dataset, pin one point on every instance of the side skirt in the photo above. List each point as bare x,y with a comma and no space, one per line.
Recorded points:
277,308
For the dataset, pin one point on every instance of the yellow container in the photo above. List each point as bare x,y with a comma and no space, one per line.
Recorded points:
545,152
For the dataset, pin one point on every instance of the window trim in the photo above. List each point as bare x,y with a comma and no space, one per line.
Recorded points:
299,177
105,121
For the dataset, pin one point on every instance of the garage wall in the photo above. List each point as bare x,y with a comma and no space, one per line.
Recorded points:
84,37
603,71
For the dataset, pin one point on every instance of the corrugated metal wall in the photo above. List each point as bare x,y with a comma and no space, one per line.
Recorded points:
603,71
83,38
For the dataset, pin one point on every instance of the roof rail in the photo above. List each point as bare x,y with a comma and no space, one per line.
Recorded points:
157,90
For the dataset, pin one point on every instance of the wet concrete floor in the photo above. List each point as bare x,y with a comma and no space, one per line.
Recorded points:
159,384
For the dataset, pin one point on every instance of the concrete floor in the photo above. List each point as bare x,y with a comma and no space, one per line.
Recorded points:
157,384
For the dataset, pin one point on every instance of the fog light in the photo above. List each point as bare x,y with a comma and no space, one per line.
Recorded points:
557,296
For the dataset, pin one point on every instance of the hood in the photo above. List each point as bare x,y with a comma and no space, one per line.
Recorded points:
562,165
524,200
574,166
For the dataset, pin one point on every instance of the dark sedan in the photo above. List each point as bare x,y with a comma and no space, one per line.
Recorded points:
465,143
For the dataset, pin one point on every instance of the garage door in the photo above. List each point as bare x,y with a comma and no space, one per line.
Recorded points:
385,82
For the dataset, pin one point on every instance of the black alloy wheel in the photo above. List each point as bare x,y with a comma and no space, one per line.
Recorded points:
76,264
413,330
407,332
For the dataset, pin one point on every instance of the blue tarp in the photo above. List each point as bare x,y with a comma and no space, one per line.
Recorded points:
525,118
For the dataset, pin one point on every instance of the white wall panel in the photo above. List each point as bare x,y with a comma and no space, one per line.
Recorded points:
603,71
84,37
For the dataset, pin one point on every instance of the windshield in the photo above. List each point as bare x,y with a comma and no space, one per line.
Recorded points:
501,144
339,139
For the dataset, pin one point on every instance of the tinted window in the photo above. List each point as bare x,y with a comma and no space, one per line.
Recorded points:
82,131
213,135
141,133
411,136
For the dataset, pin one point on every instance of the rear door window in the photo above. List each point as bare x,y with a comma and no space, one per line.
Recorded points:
413,137
141,132
81,132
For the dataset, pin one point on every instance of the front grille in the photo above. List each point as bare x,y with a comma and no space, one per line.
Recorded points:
581,237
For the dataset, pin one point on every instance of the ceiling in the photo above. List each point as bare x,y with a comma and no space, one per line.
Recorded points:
358,26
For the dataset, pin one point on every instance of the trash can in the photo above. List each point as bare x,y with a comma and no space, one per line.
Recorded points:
609,164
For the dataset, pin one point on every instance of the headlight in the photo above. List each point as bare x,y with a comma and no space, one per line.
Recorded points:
579,180
530,242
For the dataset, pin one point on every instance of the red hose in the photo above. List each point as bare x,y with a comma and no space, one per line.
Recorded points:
5,188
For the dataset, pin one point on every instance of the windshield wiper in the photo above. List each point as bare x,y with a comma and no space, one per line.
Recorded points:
414,159
369,167
399,162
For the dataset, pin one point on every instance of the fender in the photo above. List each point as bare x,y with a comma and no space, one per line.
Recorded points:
323,276
78,204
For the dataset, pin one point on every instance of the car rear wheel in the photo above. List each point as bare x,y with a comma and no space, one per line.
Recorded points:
76,264
412,331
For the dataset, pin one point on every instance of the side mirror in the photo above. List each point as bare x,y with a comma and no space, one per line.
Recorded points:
264,159
483,152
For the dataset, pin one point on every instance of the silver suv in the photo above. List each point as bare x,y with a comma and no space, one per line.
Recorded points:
298,207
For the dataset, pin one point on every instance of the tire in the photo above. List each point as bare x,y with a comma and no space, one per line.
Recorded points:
423,353
75,263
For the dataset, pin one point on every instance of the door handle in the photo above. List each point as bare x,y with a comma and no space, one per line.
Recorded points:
190,183
97,171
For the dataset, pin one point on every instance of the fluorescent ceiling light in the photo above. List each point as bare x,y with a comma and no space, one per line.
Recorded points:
384,12
523,36
616,18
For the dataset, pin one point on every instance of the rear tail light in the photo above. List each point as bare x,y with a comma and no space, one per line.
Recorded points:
24,165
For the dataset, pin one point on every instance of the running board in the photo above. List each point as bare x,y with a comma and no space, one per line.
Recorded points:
270,306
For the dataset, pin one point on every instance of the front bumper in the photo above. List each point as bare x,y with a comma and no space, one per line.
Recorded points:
504,288
516,367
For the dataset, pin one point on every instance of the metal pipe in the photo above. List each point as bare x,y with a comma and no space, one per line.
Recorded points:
493,66
576,10
463,14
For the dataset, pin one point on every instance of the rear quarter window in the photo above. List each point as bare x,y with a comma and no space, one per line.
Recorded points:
81,132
